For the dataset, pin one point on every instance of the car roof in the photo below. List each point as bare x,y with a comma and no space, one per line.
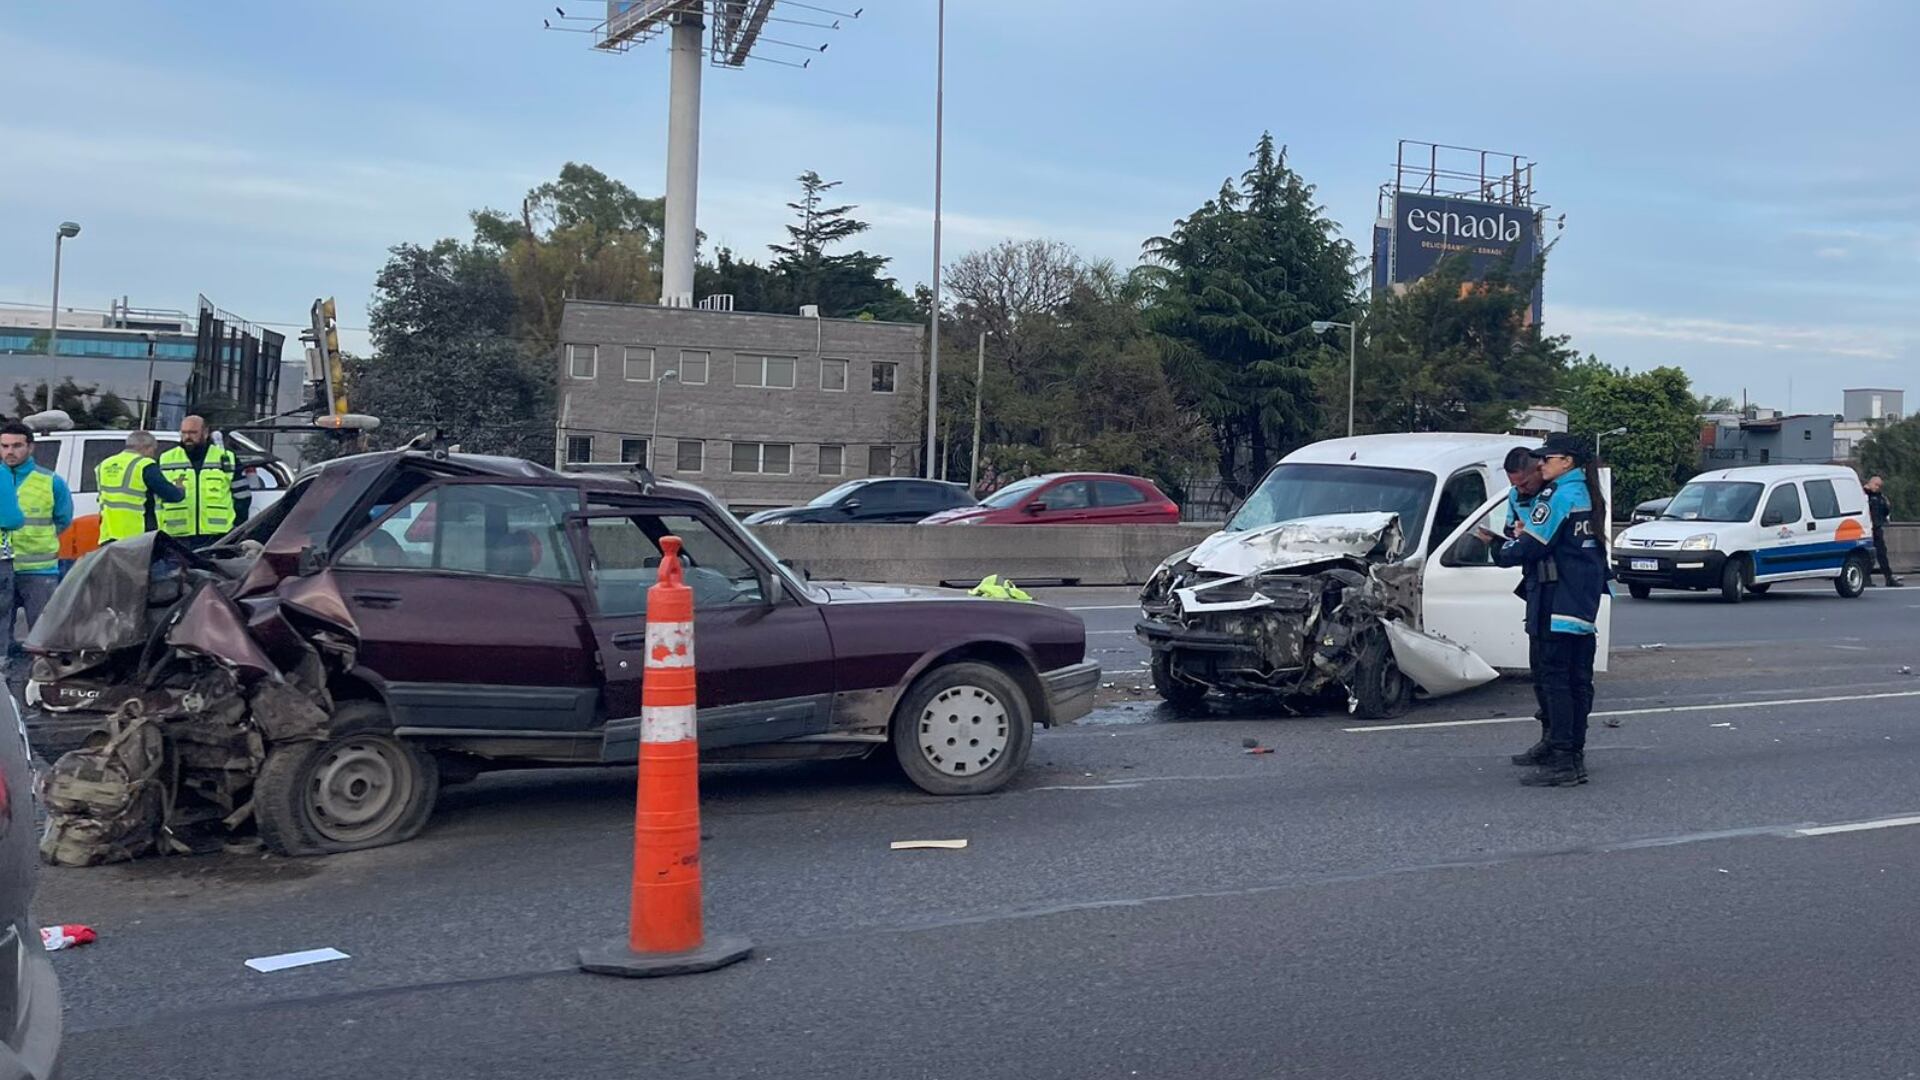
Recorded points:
625,482
1052,476
1766,474
1440,452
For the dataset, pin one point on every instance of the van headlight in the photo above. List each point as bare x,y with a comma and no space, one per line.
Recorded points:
1700,542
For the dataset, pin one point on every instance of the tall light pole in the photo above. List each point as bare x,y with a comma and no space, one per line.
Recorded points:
67,230
1605,434
939,147
653,437
1321,326
979,382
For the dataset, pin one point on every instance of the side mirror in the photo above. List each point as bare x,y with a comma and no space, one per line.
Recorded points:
850,505
1036,507
800,570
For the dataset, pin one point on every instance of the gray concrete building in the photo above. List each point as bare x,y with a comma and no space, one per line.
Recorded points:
762,410
1869,404
1728,441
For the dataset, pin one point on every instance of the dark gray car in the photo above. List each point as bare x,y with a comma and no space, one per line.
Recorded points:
29,995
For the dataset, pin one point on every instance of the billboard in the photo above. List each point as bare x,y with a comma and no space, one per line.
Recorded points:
1428,228
629,18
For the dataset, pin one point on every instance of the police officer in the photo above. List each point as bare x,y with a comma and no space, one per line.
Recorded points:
205,473
129,483
1880,511
1562,552
1523,483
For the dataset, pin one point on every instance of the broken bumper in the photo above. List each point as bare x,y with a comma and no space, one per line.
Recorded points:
1070,691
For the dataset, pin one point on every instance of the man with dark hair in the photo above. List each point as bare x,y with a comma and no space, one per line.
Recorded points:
35,508
1879,512
1523,478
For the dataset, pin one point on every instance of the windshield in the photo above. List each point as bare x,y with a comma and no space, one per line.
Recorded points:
1714,500
1013,493
1297,491
834,495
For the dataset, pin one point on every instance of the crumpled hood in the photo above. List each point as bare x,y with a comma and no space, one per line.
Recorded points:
1300,542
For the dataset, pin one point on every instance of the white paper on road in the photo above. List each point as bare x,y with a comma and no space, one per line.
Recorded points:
266,964
926,845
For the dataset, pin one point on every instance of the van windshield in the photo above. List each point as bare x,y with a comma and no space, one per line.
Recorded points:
1298,491
1714,500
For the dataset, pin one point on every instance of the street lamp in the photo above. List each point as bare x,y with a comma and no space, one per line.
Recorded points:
1605,434
653,437
939,147
1321,326
68,229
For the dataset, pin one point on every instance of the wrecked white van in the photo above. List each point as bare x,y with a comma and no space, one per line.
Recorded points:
1356,569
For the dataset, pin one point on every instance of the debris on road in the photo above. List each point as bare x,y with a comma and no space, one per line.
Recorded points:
1721,725
929,845
1260,750
66,936
1906,669
281,962
1249,742
1654,646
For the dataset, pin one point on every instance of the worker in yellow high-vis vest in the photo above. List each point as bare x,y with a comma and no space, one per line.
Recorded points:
205,473
35,508
130,482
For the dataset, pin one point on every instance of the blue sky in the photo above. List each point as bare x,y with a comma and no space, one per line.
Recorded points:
1741,179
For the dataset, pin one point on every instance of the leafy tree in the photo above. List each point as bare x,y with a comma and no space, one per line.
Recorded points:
1233,289
849,285
1714,403
89,408
1661,447
1893,451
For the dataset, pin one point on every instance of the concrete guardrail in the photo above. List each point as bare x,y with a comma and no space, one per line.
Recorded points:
1080,554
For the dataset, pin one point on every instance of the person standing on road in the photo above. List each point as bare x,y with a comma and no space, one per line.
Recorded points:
1523,480
1880,511
205,473
129,482
1565,565
35,508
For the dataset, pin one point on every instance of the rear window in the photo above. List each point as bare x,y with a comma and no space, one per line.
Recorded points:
46,454
92,453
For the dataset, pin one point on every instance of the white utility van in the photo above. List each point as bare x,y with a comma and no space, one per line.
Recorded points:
1740,530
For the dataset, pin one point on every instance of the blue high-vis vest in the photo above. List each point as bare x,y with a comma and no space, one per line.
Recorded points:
1563,551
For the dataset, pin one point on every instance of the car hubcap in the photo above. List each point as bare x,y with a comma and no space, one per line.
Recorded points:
964,730
1853,576
360,788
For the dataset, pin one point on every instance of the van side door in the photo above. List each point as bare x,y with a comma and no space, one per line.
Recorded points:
1782,546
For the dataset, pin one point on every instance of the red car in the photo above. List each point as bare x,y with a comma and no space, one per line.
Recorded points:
1068,499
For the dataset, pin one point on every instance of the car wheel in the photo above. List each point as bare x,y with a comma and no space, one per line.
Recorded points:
361,787
1380,691
1760,588
1640,592
1173,689
963,729
1733,579
1853,577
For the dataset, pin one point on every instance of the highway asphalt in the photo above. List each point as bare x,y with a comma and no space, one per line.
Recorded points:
1148,899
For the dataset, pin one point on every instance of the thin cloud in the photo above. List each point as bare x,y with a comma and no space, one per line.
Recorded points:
1867,343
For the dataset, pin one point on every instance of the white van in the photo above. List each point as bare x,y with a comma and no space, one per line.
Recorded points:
1740,530
1352,560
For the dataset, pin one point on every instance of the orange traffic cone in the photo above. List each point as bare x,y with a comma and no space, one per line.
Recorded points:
665,934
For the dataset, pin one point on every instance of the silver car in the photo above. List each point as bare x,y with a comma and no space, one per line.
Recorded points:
29,994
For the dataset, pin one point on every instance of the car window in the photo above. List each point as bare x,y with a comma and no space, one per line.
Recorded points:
1475,549
1117,493
46,454
1463,494
626,563
881,497
1783,506
92,453
929,497
493,529
1822,500
1069,496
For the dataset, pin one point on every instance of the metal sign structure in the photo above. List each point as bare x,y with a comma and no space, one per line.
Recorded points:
1449,201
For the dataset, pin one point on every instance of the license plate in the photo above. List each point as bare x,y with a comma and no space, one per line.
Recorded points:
1646,564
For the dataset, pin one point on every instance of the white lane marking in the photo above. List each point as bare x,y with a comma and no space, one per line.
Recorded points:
1859,826
1645,712
1110,786
1106,607
1850,648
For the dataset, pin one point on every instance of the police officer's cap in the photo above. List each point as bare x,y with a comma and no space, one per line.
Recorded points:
1564,444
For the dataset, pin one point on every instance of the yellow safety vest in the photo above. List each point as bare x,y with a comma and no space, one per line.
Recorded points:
122,480
36,545
208,509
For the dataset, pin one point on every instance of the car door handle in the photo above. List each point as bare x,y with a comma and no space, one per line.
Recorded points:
629,639
371,598
1812,525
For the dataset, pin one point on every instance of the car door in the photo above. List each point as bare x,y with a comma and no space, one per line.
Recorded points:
877,504
1120,503
1785,544
1469,599
1064,502
764,661
925,498
471,608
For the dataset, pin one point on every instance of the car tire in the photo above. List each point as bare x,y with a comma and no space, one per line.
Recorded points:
1733,579
963,729
1380,691
1760,588
1853,576
1639,592
360,787
1173,689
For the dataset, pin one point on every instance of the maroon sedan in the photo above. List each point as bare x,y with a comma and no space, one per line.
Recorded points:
1068,499
477,612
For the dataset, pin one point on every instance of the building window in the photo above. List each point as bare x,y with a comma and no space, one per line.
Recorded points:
1765,455
690,456
833,374
633,451
639,364
884,376
1807,434
772,372
582,360
693,367
833,460
579,449
768,458
879,460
